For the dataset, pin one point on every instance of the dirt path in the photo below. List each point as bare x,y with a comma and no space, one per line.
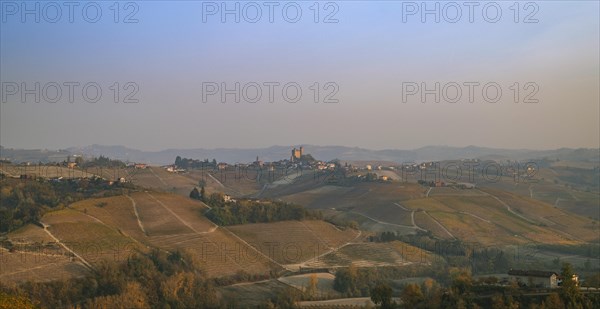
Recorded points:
475,216
216,180
159,178
303,264
438,223
253,248
530,192
412,217
508,207
137,216
382,222
65,246
174,214
265,186
428,191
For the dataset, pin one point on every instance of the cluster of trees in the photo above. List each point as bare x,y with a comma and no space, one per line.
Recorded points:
198,194
253,211
186,163
358,282
100,161
154,280
23,202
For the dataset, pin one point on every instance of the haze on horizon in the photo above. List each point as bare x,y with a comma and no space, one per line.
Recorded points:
369,53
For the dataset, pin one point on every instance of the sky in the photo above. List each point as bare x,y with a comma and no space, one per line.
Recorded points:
351,73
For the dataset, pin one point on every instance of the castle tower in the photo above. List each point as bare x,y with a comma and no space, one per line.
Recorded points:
296,154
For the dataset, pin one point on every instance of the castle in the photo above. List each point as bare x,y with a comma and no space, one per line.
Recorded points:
296,153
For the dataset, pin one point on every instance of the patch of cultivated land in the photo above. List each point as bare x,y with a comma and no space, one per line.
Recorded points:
375,202
158,219
364,196
318,197
324,283
365,223
36,257
393,253
30,233
293,242
45,171
176,223
425,221
187,210
356,302
441,191
92,240
160,179
242,182
115,211
218,253
18,267
108,229
568,225
498,218
250,295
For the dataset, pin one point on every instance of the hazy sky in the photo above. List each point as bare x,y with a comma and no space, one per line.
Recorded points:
370,59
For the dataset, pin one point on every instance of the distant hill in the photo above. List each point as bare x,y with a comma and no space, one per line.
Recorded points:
273,153
33,155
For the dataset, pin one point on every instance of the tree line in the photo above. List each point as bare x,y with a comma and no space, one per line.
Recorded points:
186,163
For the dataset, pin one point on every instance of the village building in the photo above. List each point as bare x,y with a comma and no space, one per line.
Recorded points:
534,278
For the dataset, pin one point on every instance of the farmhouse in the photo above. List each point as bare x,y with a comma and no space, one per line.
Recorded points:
534,278
140,166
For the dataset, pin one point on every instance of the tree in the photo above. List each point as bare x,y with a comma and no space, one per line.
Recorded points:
498,302
79,160
382,294
345,280
202,193
312,284
432,293
412,296
553,302
195,194
569,291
